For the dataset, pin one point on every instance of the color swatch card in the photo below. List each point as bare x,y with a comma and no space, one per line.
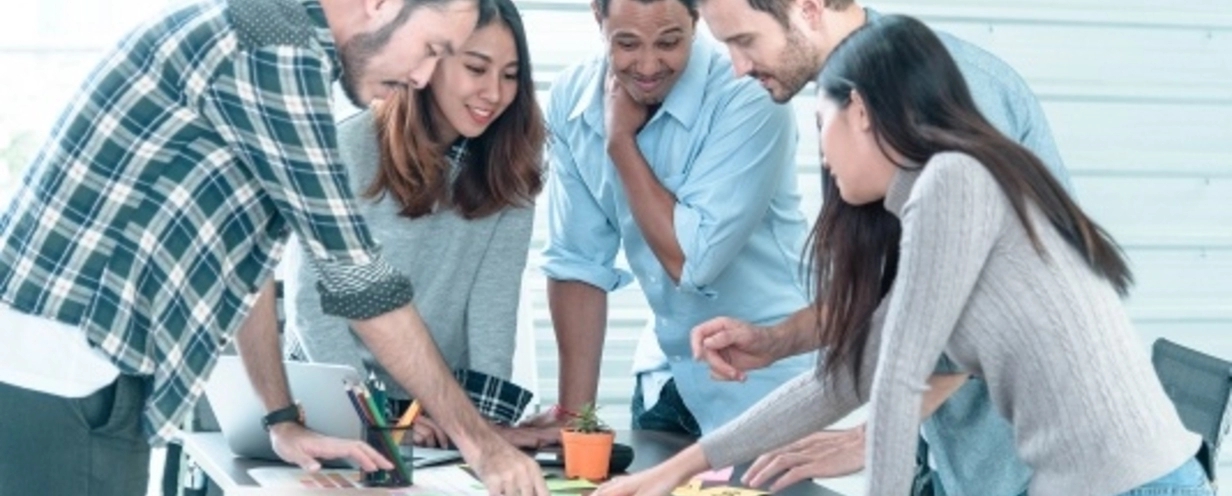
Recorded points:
297,478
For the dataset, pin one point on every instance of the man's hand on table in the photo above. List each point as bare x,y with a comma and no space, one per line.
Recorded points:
297,444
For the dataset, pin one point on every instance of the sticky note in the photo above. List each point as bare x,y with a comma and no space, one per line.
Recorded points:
693,488
721,475
559,485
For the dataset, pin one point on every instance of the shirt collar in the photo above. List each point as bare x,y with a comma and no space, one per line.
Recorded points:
900,189
684,100
871,16
324,36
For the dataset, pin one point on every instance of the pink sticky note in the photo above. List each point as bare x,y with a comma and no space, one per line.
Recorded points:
720,475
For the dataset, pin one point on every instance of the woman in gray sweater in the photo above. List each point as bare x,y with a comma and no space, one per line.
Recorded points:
447,176
939,235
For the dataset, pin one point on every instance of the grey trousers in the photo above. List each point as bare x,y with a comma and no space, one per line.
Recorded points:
91,446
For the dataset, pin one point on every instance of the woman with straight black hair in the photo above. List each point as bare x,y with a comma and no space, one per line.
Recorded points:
939,235
991,263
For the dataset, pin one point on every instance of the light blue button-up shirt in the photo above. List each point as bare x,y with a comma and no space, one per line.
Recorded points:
971,445
725,151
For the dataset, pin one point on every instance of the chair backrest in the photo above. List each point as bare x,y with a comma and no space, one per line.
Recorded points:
1200,386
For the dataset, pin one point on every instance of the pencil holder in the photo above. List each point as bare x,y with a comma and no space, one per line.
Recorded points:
384,441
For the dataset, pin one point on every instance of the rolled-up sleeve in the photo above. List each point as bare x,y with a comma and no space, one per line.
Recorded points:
273,107
582,240
731,184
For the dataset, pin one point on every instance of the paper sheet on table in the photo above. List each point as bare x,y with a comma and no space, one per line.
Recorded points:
723,490
715,483
731,491
426,457
450,480
569,485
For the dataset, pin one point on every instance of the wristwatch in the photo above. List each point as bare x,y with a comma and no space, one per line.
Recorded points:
292,413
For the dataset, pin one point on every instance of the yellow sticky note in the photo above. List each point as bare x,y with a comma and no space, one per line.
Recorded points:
693,488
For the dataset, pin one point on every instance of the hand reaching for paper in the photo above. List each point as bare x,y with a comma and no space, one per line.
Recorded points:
822,454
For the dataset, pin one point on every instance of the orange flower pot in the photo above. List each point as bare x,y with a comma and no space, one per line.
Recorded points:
587,455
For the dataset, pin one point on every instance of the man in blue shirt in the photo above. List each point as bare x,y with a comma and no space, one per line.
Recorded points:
656,145
784,44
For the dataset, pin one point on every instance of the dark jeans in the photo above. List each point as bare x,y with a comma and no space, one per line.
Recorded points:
926,482
91,446
669,414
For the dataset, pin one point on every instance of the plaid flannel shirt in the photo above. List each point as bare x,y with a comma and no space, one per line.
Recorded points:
162,200
497,399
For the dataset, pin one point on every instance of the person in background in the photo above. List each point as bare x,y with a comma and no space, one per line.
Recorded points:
658,148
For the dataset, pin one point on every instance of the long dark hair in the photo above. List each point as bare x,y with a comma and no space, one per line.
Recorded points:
919,105
503,167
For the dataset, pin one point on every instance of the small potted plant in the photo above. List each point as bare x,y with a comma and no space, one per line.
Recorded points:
587,442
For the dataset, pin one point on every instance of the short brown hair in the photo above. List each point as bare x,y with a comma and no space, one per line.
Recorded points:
778,8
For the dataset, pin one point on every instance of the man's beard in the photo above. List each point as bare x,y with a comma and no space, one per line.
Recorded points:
354,56
799,65
350,83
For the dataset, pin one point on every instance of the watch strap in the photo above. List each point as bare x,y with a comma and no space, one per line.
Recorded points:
291,413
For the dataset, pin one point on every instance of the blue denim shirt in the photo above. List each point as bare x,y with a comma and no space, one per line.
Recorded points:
971,445
726,152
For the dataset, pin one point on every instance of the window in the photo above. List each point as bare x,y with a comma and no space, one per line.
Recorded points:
47,48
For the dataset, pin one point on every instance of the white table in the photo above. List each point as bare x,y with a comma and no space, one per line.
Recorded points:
209,451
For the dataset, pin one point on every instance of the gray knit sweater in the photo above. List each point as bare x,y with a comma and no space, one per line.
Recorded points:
466,274
1051,338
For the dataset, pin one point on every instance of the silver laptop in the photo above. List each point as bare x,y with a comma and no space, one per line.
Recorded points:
317,386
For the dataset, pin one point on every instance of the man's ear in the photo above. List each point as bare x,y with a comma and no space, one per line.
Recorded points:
381,12
811,11
594,9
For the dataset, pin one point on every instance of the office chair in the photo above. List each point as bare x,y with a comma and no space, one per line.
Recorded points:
1200,386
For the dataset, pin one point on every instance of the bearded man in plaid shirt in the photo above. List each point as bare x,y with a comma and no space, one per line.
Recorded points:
153,218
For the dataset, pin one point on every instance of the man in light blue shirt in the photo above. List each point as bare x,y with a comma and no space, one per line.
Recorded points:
784,44
656,146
